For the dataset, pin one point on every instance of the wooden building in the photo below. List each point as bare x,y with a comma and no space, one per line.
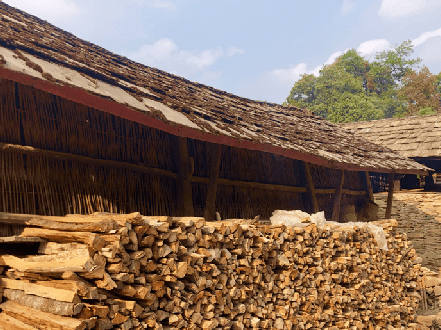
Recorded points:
418,138
85,130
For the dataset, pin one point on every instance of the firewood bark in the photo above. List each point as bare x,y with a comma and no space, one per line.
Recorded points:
41,319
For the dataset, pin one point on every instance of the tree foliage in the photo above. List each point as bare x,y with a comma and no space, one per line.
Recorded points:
419,92
354,88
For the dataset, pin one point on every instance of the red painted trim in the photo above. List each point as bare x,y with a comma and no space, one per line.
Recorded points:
81,96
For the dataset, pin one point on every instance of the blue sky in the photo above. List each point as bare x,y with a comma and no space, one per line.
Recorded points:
252,48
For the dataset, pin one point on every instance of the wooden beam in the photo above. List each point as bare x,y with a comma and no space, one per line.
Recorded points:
249,184
310,187
82,159
185,196
390,196
214,152
337,197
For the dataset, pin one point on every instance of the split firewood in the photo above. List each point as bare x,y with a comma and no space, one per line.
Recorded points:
91,239
42,320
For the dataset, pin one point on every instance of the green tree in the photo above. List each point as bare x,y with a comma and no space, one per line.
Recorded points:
353,88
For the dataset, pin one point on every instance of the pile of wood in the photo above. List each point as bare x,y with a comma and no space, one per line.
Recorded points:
108,271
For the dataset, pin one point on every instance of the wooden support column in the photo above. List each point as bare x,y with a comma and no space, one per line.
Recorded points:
367,185
337,197
214,152
390,196
310,187
185,196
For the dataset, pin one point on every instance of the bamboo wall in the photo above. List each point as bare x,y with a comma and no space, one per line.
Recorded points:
39,185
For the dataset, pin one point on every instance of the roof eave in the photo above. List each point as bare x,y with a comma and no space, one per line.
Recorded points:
81,96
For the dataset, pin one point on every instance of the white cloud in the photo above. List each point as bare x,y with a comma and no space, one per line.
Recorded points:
234,50
402,8
47,9
347,7
371,47
164,54
426,36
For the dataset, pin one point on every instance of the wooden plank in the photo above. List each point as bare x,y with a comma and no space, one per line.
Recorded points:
41,291
185,195
91,239
41,319
214,151
337,197
390,195
310,186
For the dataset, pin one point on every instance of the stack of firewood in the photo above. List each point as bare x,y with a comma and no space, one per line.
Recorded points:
109,271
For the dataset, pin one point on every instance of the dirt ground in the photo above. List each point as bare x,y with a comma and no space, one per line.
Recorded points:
419,216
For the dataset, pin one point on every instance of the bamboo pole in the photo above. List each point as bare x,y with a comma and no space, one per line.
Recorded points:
215,151
88,160
390,196
337,197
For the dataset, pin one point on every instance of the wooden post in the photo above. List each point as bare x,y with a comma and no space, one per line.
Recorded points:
310,187
185,196
214,152
390,196
337,197
367,185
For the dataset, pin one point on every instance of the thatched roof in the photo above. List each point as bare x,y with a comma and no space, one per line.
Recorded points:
409,136
36,53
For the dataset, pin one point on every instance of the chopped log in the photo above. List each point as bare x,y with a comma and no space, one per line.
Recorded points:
43,304
7,322
18,239
99,227
56,248
41,291
93,240
134,218
77,263
41,319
